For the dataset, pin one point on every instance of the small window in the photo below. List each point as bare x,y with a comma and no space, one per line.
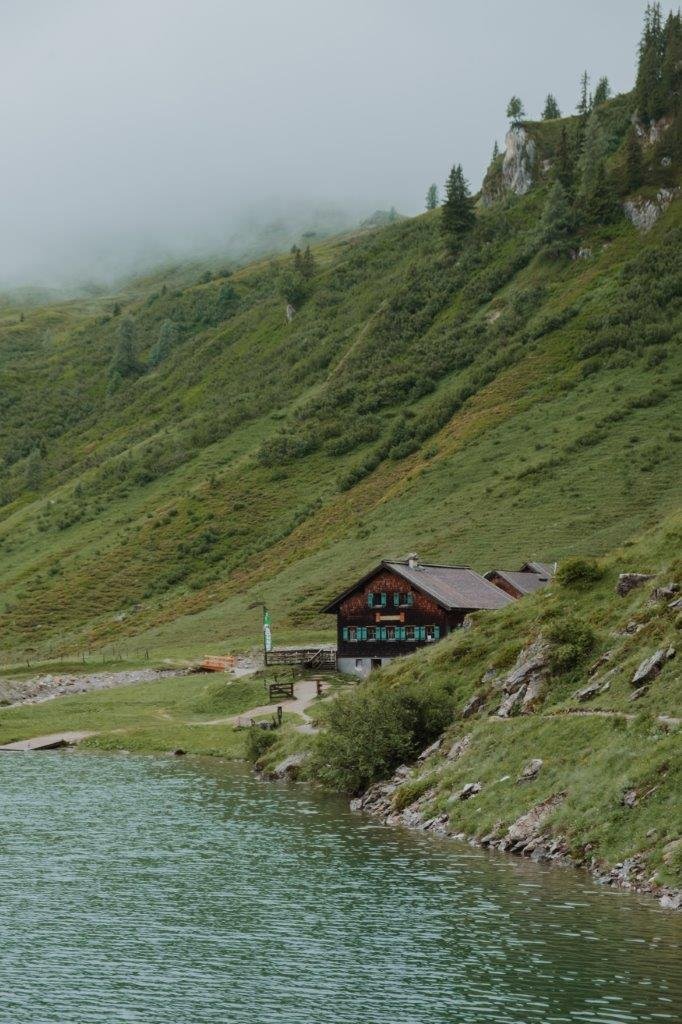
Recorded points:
377,599
403,598
390,633
371,633
409,633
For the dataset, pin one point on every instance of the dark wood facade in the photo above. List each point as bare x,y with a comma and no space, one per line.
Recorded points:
411,614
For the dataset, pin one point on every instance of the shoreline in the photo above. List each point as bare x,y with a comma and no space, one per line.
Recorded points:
527,837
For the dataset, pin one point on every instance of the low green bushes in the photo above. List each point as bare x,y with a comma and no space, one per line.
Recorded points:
375,728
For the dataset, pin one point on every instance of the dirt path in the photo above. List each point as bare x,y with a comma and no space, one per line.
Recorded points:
305,693
629,716
42,688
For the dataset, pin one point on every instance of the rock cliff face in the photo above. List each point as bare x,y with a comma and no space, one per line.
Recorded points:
645,212
519,160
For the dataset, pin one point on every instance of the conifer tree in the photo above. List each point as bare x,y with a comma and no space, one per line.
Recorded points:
496,151
124,362
307,263
457,215
557,223
34,470
585,101
601,205
634,167
602,92
432,197
551,108
515,111
168,336
563,165
593,154
649,89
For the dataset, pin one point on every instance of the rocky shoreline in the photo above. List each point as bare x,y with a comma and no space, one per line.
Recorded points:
528,836
14,692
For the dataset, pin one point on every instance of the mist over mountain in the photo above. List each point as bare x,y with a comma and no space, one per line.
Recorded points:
148,131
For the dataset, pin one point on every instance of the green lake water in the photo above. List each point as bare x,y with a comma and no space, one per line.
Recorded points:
161,890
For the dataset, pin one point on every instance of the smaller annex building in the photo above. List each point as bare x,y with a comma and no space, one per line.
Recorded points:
400,606
517,583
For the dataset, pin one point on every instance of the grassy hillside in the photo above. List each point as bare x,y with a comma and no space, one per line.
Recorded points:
486,408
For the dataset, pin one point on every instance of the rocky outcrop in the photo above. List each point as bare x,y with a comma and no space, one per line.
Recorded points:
644,213
289,768
524,683
628,581
651,666
519,161
531,771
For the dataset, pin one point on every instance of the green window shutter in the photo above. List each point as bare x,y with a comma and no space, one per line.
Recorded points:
400,633
396,598
363,633
421,632
410,598
344,632
370,599
383,632
436,632
383,598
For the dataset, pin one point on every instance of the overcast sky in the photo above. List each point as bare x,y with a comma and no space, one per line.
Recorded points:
151,126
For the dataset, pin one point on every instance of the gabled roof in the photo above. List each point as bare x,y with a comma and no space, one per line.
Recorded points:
453,587
544,568
525,582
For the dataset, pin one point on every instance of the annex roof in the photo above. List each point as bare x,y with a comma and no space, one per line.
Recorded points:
544,568
525,582
453,587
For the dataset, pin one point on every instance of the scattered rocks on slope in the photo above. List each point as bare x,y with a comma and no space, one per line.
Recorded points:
524,682
664,593
474,705
629,798
528,825
628,581
436,745
469,790
458,748
652,665
531,771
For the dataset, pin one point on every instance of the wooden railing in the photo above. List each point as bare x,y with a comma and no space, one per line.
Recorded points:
308,657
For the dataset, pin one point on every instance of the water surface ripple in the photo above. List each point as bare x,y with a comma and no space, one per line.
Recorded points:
156,890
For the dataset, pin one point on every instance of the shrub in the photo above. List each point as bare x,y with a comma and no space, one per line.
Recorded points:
375,728
579,573
258,742
571,641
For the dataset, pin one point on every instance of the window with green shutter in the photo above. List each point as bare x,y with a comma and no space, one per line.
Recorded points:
370,599
396,598
436,632
344,632
384,598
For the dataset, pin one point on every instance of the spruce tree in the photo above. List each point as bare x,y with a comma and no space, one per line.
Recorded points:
602,92
551,108
457,215
124,362
168,336
601,205
593,154
563,165
34,470
585,101
634,166
496,152
649,90
515,111
557,223
307,263
432,197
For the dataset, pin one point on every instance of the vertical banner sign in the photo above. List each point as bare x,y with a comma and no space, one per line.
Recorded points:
267,633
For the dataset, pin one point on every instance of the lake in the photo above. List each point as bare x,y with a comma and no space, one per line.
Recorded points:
162,890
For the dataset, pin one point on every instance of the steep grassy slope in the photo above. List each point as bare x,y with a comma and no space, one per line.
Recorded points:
486,409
